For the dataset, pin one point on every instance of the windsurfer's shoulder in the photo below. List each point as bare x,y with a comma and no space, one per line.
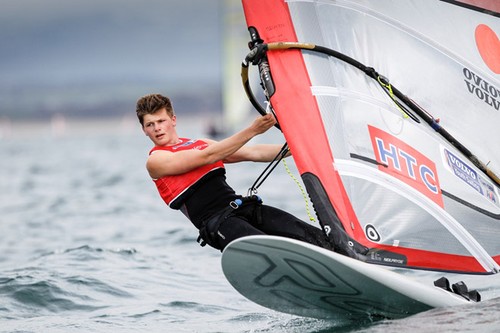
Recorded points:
155,161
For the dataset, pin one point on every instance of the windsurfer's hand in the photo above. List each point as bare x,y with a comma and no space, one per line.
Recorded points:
263,123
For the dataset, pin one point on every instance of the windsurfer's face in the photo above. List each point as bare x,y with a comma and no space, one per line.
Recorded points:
160,128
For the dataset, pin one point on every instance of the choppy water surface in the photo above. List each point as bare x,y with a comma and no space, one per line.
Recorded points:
86,245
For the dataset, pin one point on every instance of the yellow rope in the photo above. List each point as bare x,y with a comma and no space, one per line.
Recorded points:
304,195
391,93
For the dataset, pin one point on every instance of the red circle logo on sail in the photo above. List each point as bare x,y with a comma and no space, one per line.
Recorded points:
488,46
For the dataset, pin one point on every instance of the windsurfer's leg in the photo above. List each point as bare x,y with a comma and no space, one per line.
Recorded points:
234,227
280,223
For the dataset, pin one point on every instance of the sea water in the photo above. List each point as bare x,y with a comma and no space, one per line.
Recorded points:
87,245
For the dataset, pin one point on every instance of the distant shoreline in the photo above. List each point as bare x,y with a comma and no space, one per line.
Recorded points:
61,126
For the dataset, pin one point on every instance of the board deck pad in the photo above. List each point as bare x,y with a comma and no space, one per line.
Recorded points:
302,279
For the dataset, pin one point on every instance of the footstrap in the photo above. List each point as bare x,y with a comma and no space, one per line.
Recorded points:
459,288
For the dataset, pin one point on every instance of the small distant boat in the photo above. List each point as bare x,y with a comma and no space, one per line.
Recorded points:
214,130
58,125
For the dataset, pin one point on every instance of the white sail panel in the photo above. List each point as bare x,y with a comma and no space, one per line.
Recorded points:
428,49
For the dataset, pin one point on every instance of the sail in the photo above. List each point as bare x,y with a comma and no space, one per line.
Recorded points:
236,109
392,181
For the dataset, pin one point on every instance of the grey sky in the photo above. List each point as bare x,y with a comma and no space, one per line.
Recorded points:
56,54
65,40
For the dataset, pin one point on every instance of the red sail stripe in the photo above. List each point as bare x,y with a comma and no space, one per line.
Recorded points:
302,126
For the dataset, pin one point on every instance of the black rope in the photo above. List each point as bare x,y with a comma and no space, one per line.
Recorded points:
269,169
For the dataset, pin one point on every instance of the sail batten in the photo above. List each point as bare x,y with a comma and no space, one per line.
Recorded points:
402,179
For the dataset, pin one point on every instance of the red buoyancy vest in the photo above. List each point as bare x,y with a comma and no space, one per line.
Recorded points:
172,187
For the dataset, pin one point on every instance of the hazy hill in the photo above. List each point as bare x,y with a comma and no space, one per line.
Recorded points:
93,57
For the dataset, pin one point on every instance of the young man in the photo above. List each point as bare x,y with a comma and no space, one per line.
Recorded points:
190,176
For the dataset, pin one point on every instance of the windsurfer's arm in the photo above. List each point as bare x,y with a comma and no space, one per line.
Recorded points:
163,163
255,153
